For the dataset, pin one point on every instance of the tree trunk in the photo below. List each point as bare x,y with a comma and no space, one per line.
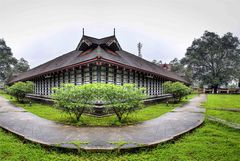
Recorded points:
118,115
215,88
239,83
77,117
79,114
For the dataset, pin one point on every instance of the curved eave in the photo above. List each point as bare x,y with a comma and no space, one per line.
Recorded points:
145,71
52,71
103,60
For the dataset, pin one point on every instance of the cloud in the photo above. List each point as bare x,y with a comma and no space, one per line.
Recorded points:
42,30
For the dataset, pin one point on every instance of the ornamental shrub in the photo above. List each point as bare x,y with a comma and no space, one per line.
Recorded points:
177,89
20,89
122,99
74,99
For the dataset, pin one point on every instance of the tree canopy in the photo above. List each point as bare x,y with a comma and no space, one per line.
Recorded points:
157,62
214,60
9,65
178,67
7,61
21,66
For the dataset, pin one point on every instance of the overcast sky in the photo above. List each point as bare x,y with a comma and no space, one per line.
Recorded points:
40,30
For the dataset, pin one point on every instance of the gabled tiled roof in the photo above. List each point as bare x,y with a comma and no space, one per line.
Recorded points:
99,41
98,51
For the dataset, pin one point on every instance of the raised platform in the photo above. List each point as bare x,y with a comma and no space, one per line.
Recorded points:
40,98
150,99
99,109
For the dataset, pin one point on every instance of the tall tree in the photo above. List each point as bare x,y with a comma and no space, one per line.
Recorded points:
179,67
214,59
7,61
9,65
157,62
21,66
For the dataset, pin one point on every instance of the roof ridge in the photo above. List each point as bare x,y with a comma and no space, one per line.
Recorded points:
98,38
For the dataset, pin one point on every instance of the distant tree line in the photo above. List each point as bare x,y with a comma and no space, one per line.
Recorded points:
9,65
212,60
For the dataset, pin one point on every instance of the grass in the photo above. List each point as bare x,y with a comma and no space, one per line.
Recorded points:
226,115
223,101
212,141
51,113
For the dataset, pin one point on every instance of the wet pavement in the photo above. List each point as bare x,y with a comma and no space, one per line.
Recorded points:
161,129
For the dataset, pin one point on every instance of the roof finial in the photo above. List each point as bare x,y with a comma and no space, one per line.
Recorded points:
139,45
83,31
114,31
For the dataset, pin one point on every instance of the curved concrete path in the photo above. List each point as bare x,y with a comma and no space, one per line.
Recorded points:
161,129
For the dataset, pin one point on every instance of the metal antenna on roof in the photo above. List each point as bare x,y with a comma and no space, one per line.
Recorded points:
114,31
139,46
83,31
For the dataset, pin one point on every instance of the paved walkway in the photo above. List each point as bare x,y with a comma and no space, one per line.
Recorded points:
161,129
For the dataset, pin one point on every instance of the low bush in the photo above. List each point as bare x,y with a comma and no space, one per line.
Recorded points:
20,89
74,99
122,99
177,89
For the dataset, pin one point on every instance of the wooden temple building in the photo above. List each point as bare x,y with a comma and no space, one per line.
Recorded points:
98,60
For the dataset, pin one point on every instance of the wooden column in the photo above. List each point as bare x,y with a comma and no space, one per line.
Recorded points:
64,77
107,72
138,79
82,73
122,76
153,86
69,76
115,75
90,74
58,78
134,75
143,80
75,76
163,91
128,77
46,86
147,87
41,81
54,80
50,84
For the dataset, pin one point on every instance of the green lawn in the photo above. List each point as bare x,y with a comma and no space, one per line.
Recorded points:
51,113
223,101
226,115
209,142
